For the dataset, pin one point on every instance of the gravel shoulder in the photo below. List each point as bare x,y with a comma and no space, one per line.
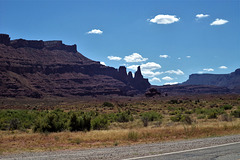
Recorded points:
127,151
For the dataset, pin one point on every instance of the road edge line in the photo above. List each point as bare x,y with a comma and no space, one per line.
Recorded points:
189,150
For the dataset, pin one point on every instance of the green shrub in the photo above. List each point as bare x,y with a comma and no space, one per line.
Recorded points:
120,117
214,112
174,101
99,122
51,122
236,113
124,117
181,118
176,118
175,112
227,107
77,123
212,115
14,124
188,112
107,104
201,117
152,115
17,119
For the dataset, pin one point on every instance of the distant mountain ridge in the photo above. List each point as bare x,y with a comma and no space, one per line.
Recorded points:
230,81
50,68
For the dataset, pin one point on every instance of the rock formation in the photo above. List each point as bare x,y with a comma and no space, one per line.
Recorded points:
230,81
4,39
43,68
50,45
191,89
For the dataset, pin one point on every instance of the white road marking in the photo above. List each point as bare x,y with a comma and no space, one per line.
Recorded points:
196,149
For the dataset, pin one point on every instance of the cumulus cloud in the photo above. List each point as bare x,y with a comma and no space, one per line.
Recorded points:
177,72
155,79
135,57
149,73
114,58
147,66
133,67
150,66
198,16
219,22
223,67
95,31
208,69
167,78
164,19
103,63
164,56
188,56
171,83
148,69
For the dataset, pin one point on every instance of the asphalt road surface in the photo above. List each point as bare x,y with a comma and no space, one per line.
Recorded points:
214,148
221,152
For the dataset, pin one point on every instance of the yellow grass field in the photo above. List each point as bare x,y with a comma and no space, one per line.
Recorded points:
17,141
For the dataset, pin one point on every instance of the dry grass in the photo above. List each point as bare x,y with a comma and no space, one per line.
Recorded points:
16,142
120,133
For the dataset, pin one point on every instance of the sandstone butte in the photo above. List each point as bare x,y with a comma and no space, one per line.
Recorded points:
36,68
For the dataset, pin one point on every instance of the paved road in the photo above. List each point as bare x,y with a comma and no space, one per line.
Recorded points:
221,152
227,152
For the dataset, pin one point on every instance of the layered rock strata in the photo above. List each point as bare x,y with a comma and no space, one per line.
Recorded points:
40,68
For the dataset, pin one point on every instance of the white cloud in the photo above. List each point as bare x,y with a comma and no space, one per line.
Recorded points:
155,79
95,31
198,16
208,69
103,63
223,67
133,67
147,69
219,22
179,58
164,19
188,56
171,83
164,56
150,66
147,66
149,73
177,72
135,57
167,78
114,58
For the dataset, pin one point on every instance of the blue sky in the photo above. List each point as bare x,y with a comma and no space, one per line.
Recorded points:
132,33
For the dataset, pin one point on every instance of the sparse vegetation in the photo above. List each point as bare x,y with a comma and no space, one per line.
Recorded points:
113,123
133,136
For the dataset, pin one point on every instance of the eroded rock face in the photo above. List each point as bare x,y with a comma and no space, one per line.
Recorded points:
230,81
20,43
37,69
192,89
4,39
50,45
58,45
